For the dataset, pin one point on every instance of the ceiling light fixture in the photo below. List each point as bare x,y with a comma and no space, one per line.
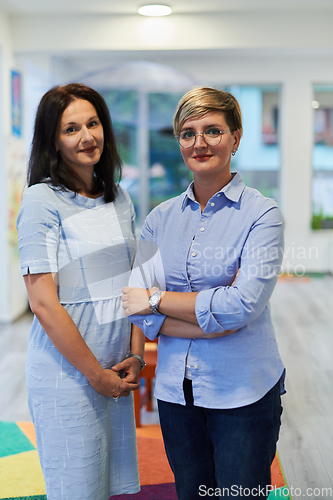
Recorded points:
155,10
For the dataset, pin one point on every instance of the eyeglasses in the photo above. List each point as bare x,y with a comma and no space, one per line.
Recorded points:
212,136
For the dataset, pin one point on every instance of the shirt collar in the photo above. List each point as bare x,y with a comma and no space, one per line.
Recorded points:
233,190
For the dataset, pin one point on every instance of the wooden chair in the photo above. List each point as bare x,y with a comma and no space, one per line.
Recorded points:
148,373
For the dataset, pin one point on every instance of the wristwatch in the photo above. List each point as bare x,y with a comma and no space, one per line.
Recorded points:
142,361
154,301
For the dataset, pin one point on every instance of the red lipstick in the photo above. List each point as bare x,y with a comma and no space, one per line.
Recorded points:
88,150
203,157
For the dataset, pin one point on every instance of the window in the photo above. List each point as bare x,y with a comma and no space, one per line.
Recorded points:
322,160
258,156
123,106
168,175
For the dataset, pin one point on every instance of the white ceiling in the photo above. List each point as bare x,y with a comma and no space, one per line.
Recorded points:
119,7
231,28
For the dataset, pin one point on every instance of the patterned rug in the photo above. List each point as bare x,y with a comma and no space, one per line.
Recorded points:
21,477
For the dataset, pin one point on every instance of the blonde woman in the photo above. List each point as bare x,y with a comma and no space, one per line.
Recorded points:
219,375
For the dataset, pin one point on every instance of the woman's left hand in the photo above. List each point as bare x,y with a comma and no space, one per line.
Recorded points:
128,369
135,300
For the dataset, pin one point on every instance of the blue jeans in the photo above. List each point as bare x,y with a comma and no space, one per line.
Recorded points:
217,453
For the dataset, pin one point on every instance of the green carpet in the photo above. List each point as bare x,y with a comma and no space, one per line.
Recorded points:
13,441
39,497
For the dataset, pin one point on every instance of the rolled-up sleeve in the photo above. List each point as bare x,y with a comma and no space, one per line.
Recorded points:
150,324
232,307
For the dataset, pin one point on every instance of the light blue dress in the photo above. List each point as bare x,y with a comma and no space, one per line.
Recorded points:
86,442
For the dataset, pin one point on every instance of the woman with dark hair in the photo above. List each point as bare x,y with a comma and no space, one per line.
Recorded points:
45,160
76,239
215,253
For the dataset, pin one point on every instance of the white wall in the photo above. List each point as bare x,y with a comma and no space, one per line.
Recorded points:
3,197
13,300
241,29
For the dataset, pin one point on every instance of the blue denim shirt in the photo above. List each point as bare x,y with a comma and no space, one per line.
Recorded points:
184,250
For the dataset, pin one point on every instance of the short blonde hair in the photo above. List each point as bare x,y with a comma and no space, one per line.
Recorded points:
202,100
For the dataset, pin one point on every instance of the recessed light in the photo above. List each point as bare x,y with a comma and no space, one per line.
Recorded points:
155,10
315,104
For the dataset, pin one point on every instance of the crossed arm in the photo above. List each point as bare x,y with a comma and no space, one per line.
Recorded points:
63,333
178,307
220,310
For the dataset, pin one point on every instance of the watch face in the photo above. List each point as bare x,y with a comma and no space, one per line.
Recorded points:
154,300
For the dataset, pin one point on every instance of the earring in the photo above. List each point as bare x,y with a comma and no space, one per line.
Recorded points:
234,152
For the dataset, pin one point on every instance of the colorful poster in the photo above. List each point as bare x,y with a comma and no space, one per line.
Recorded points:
16,104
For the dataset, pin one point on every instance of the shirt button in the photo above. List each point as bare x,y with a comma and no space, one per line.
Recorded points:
196,367
218,195
212,204
202,229
194,254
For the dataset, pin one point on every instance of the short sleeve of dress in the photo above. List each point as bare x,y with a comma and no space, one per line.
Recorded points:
38,226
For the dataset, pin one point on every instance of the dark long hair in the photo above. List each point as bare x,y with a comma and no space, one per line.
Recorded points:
46,165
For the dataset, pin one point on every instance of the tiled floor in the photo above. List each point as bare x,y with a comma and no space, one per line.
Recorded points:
13,393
